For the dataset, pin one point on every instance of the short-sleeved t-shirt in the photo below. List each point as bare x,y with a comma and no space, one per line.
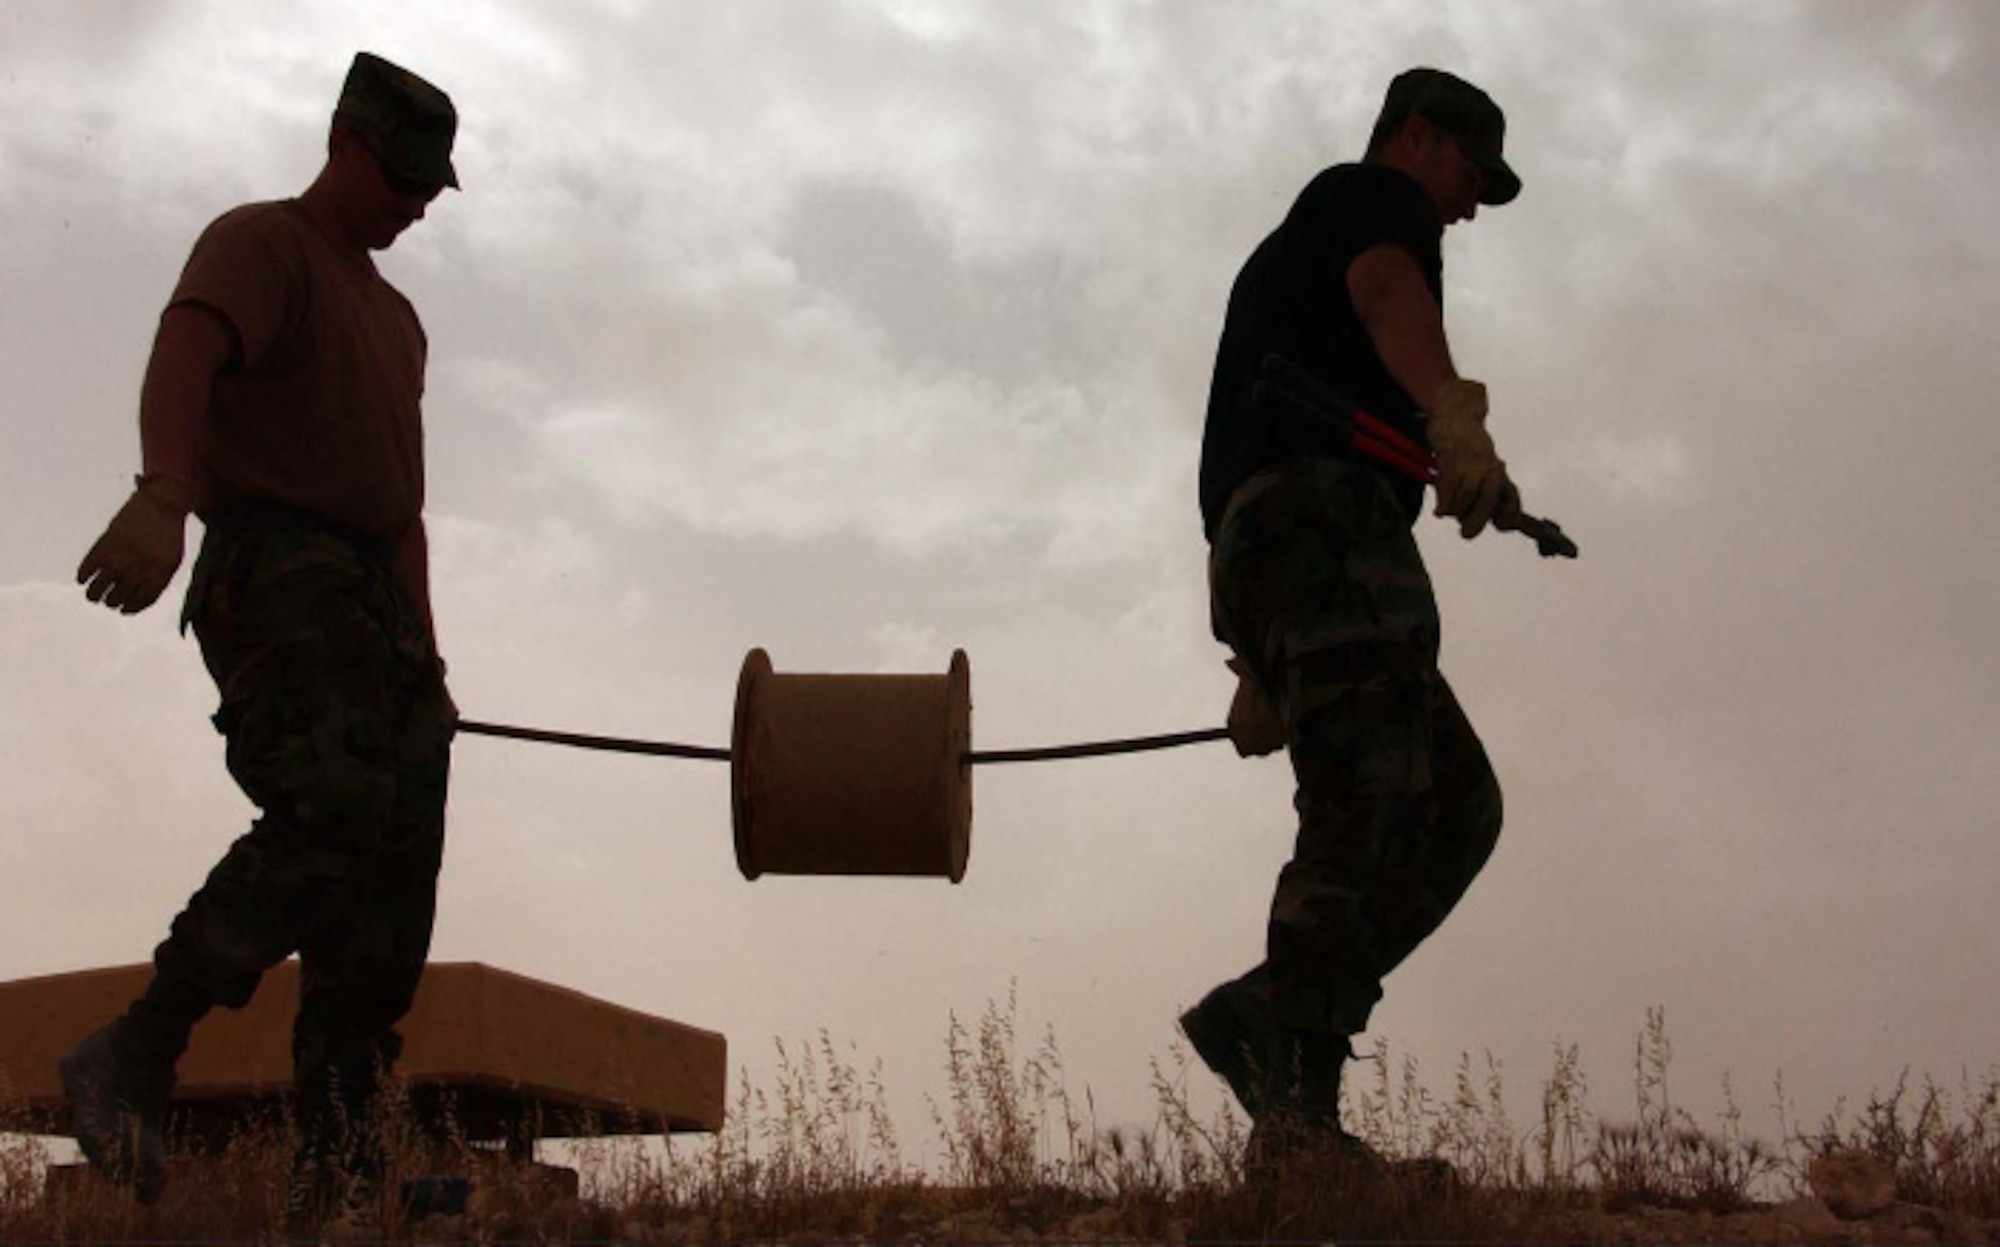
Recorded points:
1291,298
322,409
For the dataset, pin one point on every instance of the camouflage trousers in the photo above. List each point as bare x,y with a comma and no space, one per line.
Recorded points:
1318,585
337,728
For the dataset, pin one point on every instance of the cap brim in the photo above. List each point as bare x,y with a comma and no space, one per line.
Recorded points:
432,168
436,174
1502,183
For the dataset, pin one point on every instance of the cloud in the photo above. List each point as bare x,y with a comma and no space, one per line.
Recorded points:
1655,467
832,440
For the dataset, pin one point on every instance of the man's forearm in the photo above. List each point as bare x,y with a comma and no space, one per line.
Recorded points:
1408,333
130,565
192,345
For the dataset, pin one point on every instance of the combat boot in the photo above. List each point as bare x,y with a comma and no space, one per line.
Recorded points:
1231,1029
118,1091
334,1208
332,1200
1299,1102
335,1190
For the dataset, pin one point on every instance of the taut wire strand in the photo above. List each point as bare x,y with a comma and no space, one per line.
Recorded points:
977,757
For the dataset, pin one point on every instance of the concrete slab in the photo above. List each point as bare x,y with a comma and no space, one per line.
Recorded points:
507,1058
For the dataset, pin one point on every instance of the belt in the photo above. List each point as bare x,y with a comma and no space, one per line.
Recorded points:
257,512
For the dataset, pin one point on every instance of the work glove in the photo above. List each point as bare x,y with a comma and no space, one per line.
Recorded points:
129,566
1472,484
1255,727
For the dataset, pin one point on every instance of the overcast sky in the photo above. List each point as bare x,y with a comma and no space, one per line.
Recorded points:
867,331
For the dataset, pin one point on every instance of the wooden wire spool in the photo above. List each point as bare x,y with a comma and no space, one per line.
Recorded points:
852,774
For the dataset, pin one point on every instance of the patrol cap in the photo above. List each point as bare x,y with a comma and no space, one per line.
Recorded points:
408,123
1462,110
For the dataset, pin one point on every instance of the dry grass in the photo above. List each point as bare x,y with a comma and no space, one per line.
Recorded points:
813,1157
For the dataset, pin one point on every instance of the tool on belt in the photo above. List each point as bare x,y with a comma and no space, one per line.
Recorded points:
1293,389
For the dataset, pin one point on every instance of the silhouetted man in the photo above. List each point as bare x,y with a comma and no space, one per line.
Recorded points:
282,406
1319,589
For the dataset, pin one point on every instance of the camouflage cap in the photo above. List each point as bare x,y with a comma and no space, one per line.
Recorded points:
408,123
1462,110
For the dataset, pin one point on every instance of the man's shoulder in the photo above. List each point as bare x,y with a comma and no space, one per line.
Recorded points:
1348,208
1361,186
266,223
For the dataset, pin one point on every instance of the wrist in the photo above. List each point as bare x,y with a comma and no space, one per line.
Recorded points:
1459,399
170,493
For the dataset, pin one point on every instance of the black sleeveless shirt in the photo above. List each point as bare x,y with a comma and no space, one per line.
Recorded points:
1291,298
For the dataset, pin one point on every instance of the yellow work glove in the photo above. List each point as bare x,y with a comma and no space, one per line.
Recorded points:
129,566
1255,727
1472,484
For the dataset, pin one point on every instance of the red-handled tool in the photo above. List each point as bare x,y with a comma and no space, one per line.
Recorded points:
1291,386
